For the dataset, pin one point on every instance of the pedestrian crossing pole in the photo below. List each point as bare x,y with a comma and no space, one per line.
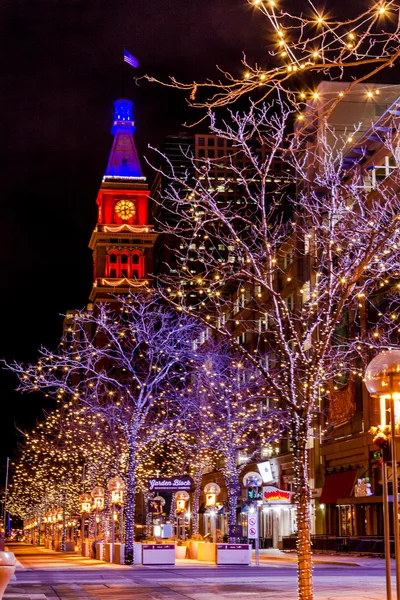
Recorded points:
5,499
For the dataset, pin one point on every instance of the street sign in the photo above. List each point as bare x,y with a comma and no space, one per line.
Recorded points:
252,527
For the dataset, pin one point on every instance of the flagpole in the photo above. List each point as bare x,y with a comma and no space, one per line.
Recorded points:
5,498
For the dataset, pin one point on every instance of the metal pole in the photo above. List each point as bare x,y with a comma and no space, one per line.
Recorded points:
258,537
112,532
386,530
5,499
395,497
82,531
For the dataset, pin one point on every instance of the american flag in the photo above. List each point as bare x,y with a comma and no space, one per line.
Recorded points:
131,60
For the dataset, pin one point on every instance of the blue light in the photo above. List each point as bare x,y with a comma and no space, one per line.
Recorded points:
124,159
123,118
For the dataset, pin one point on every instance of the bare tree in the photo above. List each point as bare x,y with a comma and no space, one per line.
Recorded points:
291,280
305,45
126,363
232,413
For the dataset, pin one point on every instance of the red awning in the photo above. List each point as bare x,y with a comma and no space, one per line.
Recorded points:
338,485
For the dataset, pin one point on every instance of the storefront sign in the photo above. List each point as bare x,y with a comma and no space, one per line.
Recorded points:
232,546
158,546
362,488
274,495
266,471
173,484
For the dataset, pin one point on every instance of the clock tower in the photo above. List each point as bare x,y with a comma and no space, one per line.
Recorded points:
122,241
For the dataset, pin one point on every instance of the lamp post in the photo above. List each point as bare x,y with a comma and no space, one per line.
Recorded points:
181,500
382,379
97,494
212,490
85,502
116,486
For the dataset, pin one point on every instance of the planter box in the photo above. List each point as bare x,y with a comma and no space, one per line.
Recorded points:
234,554
194,548
180,551
158,554
99,551
207,552
7,568
70,546
119,554
108,552
86,549
137,554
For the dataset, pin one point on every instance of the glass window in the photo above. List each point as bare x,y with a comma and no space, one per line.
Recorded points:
135,259
113,258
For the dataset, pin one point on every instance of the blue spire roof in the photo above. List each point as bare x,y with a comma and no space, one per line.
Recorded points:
124,159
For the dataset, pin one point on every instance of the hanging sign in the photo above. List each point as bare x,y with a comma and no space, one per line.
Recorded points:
274,495
173,484
266,471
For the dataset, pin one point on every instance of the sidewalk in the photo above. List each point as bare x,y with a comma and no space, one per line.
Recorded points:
47,575
40,557
351,560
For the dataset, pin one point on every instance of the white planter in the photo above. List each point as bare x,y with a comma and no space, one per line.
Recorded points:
99,550
137,553
180,551
7,568
207,552
158,554
233,554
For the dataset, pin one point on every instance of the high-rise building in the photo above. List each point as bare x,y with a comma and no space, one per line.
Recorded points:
122,241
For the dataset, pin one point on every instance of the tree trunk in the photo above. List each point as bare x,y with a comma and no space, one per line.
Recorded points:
130,509
148,496
172,516
196,500
232,507
304,557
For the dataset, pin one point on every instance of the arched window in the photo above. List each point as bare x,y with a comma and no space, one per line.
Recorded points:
124,259
113,259
135,259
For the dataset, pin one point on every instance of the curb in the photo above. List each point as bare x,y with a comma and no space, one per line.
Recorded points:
315,561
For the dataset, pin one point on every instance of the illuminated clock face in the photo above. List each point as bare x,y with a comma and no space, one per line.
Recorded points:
125,209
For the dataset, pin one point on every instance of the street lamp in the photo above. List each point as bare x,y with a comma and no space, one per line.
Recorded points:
212,490
85,501
116,486
382,380
181,500
97,494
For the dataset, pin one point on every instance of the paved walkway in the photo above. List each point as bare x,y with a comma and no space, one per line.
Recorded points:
46,575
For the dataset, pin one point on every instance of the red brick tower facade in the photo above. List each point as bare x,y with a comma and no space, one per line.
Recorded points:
122,241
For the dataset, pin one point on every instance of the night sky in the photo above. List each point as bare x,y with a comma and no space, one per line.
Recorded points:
62,68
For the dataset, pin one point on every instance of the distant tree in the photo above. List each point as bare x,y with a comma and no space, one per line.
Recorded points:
125,362
232,413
